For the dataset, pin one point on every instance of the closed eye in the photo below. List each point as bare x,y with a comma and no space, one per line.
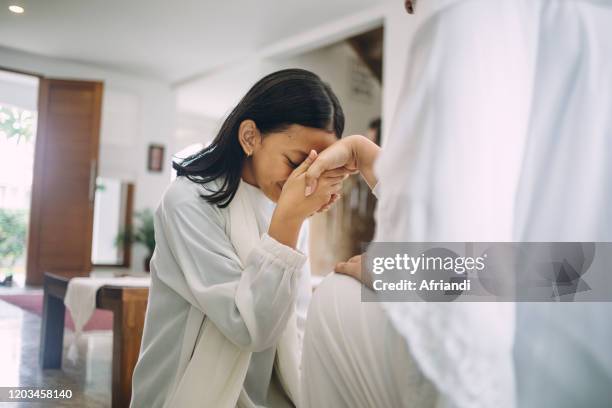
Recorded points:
292,164
301,156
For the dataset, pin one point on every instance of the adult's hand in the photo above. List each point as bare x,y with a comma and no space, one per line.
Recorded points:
353,268
350,154
338,156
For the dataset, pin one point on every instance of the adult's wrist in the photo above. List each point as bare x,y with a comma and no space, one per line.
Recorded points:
355,143
365,152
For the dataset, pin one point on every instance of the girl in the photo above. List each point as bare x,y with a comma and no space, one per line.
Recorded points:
229,292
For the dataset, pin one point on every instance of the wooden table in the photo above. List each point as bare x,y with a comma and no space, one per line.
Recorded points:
128,305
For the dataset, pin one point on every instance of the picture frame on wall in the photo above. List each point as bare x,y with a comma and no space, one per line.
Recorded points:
156,158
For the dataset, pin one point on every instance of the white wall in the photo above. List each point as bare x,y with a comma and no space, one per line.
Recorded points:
18,90
136,112
334,64
152,118
193,129
203,104
228,83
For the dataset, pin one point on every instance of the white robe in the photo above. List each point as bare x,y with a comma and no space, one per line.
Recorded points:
563,356
353,357
448,172
455,160
196,272
460,155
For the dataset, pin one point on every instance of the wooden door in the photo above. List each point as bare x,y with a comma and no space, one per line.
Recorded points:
63,187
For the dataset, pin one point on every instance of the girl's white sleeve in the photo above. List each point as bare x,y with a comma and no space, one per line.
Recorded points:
250,304
305,281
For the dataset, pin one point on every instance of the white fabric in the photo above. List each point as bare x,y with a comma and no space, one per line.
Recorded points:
448,172
222,291
452,159
353,357
568,161
80,300
563,356
80,297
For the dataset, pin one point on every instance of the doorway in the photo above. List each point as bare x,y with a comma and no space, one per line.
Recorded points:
18,122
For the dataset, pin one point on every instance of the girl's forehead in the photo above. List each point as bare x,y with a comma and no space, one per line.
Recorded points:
300,139
309,138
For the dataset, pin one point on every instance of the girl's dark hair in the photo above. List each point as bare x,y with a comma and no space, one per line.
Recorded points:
279,100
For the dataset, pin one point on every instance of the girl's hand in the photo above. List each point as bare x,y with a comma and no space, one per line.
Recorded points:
343,173
332,201
292,203
293,208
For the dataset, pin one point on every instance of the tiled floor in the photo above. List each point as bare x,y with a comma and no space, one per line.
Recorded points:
89,377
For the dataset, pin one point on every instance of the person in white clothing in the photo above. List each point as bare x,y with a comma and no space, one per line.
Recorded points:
502,133
229,288
438,177
563,357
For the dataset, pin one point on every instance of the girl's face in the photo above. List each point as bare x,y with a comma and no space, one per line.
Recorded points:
276,155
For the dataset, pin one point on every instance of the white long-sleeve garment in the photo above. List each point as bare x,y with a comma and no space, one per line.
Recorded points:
448,172
195,264
451,162
565,190
455,154
563,357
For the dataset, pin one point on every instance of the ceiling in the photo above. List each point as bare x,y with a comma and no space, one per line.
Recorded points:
167,40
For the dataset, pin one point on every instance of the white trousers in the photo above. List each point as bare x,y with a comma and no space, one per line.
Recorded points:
354,357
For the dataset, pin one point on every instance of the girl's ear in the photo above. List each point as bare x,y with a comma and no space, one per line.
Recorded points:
249,136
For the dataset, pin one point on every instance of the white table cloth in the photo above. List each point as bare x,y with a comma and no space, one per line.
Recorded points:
80,300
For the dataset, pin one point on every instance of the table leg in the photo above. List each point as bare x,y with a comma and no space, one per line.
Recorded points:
52,332
128,324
